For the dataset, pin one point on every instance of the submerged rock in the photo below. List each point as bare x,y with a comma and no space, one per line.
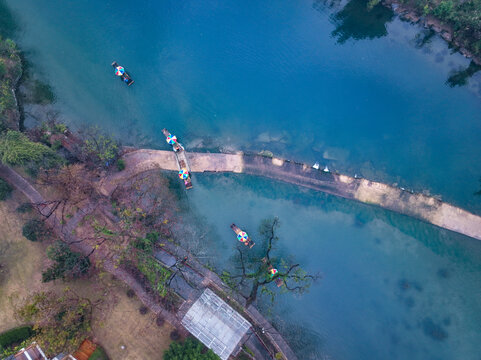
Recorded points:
433,330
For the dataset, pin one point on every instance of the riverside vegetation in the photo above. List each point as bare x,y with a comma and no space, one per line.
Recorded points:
463,17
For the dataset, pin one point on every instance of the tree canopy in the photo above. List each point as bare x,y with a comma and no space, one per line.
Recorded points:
17,149
66,263
99,149
190,349
35,230
60,322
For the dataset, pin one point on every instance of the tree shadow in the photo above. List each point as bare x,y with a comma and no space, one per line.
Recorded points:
460,77
356,21
323,6
423,38
8,24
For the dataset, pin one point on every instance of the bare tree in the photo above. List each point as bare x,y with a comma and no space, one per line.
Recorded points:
259,267
73,184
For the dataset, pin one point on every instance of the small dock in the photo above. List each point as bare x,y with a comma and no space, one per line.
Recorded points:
182,163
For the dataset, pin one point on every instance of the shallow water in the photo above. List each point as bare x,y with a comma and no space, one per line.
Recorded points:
357,91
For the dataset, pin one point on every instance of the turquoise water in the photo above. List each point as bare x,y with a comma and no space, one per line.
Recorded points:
312,82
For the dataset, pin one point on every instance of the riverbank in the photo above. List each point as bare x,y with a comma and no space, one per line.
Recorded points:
415,14
74,231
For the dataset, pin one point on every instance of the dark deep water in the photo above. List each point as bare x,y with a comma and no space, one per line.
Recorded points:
360,91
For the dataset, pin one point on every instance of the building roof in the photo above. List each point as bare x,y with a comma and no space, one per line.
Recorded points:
215,324
33,352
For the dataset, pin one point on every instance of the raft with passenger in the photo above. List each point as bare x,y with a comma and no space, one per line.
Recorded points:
273,272
184,170
242,236
172,140
122,74
184,174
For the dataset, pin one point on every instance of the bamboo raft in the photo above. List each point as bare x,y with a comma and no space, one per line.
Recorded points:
182,162
177,146
125,77
248,242
279,282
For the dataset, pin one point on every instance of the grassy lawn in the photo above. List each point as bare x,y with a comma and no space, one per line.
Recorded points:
118,327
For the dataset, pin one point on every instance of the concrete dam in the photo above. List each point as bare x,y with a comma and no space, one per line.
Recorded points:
422,207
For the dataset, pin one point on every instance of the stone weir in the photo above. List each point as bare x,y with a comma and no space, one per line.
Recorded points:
426,208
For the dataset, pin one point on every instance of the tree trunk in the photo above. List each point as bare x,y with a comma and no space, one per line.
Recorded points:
253,295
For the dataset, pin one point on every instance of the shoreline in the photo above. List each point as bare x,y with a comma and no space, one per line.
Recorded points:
445,31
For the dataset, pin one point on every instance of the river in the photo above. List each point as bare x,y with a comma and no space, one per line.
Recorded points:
361,92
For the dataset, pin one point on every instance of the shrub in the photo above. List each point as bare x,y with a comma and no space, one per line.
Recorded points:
57,144
16,335
3,69
7,99
146,244
24,208
5,190
156,274
60,128
159,321
120,164
99,354
66,263
35,230
190,349
130,293
143,310
174,335
444,9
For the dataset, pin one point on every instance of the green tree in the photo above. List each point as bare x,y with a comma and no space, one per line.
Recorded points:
7,99
256,267
3,68
60,322
190,349
444,10
99,148
17,149
35,230
66,263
